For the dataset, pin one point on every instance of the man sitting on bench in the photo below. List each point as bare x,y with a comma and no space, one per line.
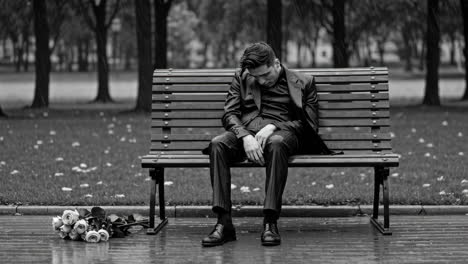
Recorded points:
270,113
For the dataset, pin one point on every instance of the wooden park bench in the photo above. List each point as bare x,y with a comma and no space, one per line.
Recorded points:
353,116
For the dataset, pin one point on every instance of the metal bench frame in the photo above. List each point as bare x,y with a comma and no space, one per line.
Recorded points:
348,98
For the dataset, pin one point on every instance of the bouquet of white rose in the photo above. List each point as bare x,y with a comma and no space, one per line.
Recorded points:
95,225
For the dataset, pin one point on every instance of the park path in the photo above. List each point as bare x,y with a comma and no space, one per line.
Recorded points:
82,89
415,239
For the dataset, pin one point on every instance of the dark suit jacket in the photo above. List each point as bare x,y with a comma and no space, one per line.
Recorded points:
238,109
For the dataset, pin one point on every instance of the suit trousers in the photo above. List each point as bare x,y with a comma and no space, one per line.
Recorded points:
227,148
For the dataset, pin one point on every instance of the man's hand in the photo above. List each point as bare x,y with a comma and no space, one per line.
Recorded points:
253,149
264,133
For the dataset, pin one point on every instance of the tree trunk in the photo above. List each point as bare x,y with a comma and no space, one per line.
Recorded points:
2,114
161,11
340,48
452,49
431,96
42,55
145,76
100,33
464,6
407,50
26,57
381,49
274,25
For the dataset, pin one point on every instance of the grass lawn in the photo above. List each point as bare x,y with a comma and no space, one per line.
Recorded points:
91,157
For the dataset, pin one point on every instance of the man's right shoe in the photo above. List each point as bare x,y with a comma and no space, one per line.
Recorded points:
270,235
220,235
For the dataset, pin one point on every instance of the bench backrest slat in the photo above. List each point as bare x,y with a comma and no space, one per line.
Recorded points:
353,109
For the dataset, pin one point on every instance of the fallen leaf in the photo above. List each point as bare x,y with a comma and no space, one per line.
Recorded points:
426,185
427,154
245,189
396,174
233,186
168,183
429,145
329,186
444,123
413,130
2,163
58,174
460,134
461,153
120,196
14,172
52,133
83,165
442,193
75,144
108,164
66,189
99,183
39,142
88,195
441,178
465,191
256,189
84,185
421,140
59,159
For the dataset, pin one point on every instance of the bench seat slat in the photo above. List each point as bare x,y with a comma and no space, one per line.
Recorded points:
217,122
230,72
228,79
322,105
215,88
200,97
219,113
294,161
330,137
334,145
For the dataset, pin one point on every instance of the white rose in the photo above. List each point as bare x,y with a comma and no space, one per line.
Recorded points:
66,229
93,237
81,226
57,223
74,235
70,217
104,234
62,235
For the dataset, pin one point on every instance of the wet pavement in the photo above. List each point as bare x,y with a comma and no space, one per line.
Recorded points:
415,239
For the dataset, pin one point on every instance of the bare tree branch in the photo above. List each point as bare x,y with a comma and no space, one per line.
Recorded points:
113,14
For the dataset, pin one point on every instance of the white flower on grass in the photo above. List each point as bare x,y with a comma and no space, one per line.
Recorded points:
14,172
413,130
245,189
421,140
233,186
59,159
66,189
396,174
104,234
120,196
461,153
84,185
70,217
52,133
256,189
427,154
81,226
93,237
441,178
430,145
75,144
444,123
58,174
442,193
57,222
329,186
426,185
460,134
168,183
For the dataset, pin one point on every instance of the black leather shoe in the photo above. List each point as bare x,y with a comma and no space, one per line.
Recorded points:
220,235
270,235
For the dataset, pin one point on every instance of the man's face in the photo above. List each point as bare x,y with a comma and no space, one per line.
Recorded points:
266,75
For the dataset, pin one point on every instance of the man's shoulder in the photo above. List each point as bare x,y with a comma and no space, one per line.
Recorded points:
294,74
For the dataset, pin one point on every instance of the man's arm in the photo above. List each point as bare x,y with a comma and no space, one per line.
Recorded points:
232,111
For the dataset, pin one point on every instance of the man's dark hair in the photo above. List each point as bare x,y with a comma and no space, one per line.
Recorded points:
256,55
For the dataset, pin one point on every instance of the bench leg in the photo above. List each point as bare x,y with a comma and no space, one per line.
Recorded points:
157,176
381,179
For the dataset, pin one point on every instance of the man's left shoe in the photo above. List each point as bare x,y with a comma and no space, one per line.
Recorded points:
270,235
